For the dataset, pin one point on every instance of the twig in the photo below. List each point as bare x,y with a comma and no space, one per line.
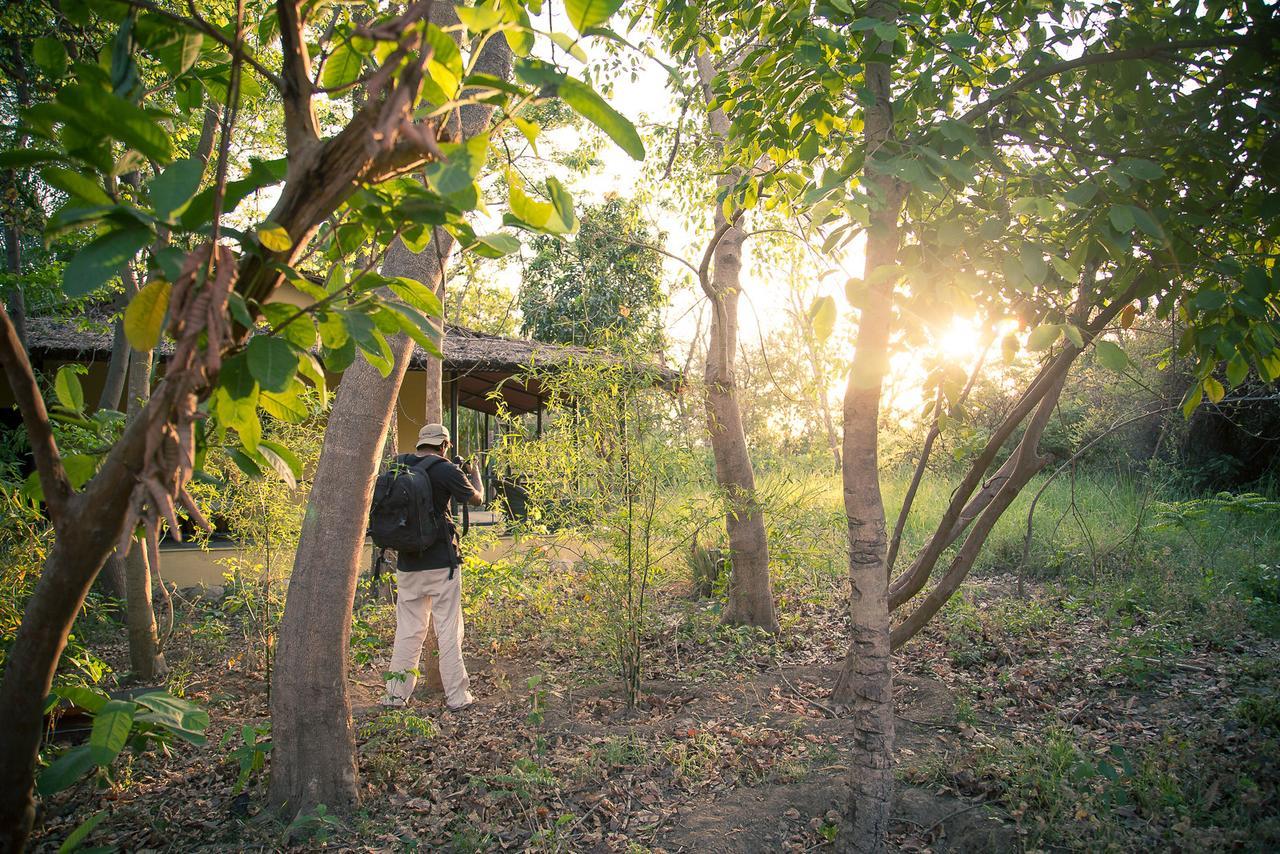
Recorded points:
931,828
794,690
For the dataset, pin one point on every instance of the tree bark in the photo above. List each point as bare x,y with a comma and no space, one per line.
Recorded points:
313,760
146,660
118,366
314,755
865,684
750,589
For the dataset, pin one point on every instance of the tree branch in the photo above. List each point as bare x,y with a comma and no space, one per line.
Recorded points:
17,369
202,26
301,129
1089,59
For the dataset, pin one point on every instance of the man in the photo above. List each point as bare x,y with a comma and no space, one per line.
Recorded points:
430,582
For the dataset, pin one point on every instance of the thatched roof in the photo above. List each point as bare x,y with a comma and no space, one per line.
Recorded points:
480,363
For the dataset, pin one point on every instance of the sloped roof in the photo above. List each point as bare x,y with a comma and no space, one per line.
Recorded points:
480,362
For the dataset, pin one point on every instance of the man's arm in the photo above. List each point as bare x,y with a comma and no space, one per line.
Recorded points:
465,485
477,484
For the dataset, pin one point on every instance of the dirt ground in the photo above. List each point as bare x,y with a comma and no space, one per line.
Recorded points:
733,749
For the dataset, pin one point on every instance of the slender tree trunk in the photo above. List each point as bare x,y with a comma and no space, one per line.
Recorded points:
118,366
13,226
145,657
866,681
750,590
314,754
13,255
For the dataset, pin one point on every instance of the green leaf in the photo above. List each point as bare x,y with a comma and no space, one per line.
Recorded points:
244,462
1111,355
288,457
77,185
342,68
274,237
1237,369
181,53
1122,218
586,103
1213,389
886,31
479,19
66,386
1148,223
77,837
822,318
1143,170
529,129
286,405
277,464
144,318
88,699
417,295
65,770
569,45
1031,256
333,329
110,730
1044,336
80,468
495,245
181,717
95,264
462,165
1073,335
584,14
1081,194
531,213
1195,394
272,361
50,56
173,189
22,157
310,368
416,326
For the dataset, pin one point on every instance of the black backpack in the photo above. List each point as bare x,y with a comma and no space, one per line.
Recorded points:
403,513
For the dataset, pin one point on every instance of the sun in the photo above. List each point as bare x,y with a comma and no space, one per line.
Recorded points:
960,340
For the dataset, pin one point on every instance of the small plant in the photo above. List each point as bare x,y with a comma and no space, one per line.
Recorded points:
250,754
151,719
314,826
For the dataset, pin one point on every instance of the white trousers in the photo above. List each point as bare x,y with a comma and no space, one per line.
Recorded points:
422,597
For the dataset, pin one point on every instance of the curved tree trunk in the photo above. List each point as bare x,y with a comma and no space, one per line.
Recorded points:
866,682
313,760
750,590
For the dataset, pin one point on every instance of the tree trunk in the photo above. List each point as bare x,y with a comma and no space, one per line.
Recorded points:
314,757
313,760
866,681
750,590
111,579
146,661
145,657
118,366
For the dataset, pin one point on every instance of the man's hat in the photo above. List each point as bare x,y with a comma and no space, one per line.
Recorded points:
433,434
